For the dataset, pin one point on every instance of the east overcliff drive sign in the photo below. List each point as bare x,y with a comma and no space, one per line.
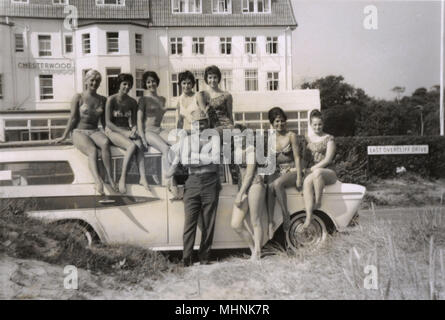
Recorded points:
48,66
391,150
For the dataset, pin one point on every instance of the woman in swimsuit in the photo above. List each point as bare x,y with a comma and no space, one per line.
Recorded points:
250,199
151,110
216,102
288,172
187,101
120,115
321,173
87,109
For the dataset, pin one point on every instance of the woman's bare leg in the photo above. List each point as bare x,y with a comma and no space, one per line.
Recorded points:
141,164
308,196
158,143
322,177
270,210
87,147
280,185
256,198
238,216
130,147
103,143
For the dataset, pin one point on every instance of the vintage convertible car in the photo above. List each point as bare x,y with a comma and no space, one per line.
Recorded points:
57,184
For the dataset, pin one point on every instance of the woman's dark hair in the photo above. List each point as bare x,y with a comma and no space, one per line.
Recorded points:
315,114
275,112
125,77
151,74
187,75
212,70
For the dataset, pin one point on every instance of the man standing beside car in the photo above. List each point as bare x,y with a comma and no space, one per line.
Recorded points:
202,187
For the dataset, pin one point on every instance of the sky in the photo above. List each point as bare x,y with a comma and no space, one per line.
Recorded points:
403,51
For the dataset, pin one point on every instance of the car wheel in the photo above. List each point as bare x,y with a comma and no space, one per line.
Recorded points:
79,232
312,237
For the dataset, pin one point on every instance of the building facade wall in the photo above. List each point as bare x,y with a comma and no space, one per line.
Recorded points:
21,71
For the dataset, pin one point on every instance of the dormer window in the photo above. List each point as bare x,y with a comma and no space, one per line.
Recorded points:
221,6
256,6
110,2
186,6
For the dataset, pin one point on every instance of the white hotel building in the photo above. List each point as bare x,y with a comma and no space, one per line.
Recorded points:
43,60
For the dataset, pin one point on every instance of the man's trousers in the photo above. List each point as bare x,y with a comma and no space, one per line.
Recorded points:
201,197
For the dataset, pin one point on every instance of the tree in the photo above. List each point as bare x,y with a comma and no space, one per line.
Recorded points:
341,104
335,92
398,91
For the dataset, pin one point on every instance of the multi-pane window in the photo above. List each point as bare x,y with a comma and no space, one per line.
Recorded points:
251,80
111,2
139,83
68,44
46,86
60,2
19,42
176,86
1,86
34,129
226,81
86,43
186,6
250,45
225,45
176,46
198,45
112,42
272,81
44,45
256,6
221,6
272,45
138,43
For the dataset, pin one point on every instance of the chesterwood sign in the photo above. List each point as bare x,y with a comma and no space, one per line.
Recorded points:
404,149
48,66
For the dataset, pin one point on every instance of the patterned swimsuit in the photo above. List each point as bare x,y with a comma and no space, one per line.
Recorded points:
318,151
218,111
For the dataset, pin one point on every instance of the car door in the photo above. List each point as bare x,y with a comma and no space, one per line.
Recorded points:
138,217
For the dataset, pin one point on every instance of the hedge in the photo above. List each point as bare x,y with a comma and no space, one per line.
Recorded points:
354,165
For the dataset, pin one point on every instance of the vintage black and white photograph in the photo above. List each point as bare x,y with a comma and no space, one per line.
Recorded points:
222,150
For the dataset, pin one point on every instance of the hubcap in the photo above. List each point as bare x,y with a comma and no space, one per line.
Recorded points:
304,238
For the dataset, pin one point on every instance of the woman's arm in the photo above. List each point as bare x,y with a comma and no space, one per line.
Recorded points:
73,119
296,153
140,121
201,99
180,123
330,154
230,107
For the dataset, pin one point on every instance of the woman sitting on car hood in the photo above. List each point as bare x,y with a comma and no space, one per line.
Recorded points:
87,109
